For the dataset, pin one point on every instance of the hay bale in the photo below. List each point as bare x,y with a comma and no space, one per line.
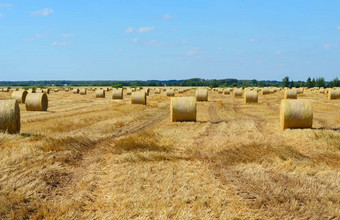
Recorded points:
117,93
220,90
170,92
100,93
55,90
183,109
31,91
296,113
75,91
238,93
47,91
138,98
202,95
128,92
334,94
226,91
180,91
299,90
322,90
251,97
5,90
157,91
20,96
265,91
82,91
36,102
9,116
290,94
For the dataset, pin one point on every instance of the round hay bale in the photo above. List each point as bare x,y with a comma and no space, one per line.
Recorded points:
170,92
31,91
117,93
157,91
220,90
138,98
128,92
55,90
299,90
290,94
296,113
183,109
202,95
20,96
36,102
238,93
47,91
9,116
180,91
226,91
322,90
75,91
82,91
100,93
265,91
251,97
5,89
334,94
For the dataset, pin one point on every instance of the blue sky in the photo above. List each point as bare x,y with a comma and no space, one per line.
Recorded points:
149,39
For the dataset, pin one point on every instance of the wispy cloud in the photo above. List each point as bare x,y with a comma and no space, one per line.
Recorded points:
43,12
220,49
67,35
330,45
128,30
194,52
28,39
60,43
5,5
1,15
164,44
135,40
338,27
252,40
278,52
168,17
145,29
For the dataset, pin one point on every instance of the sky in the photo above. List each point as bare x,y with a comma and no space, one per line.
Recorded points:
163,40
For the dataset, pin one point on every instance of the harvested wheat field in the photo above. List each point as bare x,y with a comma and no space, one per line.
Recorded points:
90,158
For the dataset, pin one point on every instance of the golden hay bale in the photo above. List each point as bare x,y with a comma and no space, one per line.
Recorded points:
202,95
322,90
117,93
20,96
238,93
31,91
265,91
251,97
147,91
180,91
183,109
55,90
82,91
75,91
290,94
334,94
157,91
5,89
170,92
36,102
138,98
220,90
47,91
128,92
9,116
299,90
296,113
226,91
100,93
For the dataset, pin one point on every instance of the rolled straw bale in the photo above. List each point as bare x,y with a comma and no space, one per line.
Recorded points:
170,92
75,91
138,98
133,89
1,89
117,93
39,91
238,93
36,102
128,91
296,113
271,90
226,91
5,89
265,91
290,94
202,95
183,109
322,90
82,91
47,91
55,90
9,116
220,90
180,91
157,91
251,97
299,90
31,91
20,96
334,94
164,89
147,91
100,93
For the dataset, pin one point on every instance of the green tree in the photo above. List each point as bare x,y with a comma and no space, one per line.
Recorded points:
309,82
285,82
292,84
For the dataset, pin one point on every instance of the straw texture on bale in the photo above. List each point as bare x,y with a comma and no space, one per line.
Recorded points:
36,102
202,95
128,92
100,93
117,93
31,91
220,90
75,91
138,98
9,116
5,89
238,93
265,91
251,97
170,92
20,96
158,91
334,94
299,91
47,91
82,91
183,109
226,92
296,113
290,94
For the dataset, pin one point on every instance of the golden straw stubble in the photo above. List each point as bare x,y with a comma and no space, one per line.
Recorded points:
9,116
36,102
296,113
183,109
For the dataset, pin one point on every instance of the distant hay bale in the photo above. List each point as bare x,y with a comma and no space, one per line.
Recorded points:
238,93
138,98
82,92
100,93
220,90
128,91
290,94
31,91
5,89
334,94
226,91
322,90
251,97
180,91
55,90
157,91
117,93
265,91
47,91
164,89
39,91
296,113
147,91
183,109
9,116
170,92
20,96
75,91
299,90
202,95
36,102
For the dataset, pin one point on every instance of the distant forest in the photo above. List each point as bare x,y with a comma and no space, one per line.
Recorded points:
318,82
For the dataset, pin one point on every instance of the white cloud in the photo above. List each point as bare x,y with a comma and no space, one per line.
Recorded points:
193,52
164,44
329,45
43,12
28,39
128,30
5,5
278,52
145,29
60,43
338,27
1,15
220,48
168,17
135,40
252,40
67,35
